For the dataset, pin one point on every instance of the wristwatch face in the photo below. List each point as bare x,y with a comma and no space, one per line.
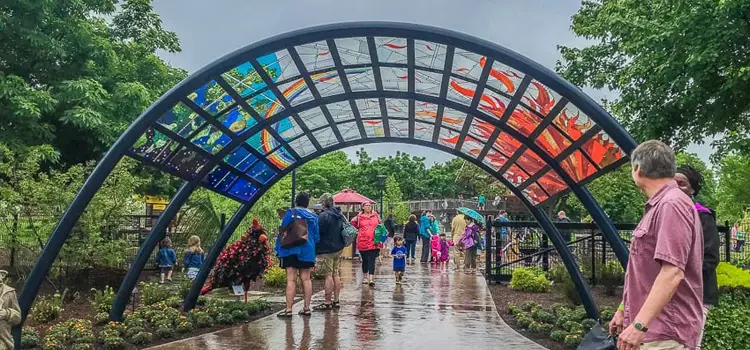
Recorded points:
640,327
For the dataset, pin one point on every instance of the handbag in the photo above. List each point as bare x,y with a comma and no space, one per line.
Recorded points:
348,232
380,233
598,339
294,234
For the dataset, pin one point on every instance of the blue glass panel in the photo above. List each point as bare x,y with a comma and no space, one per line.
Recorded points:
212,98
181,120
262,142
186,163
237,120
220,179
243,190
245,79
281,158
266,104
154,146
211,139
261,172
241,159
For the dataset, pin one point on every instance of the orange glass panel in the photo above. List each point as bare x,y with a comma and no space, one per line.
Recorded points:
540,98
602,150
524,121
494,160
552,141
535,194
573,122
481,130
530,162
515,175
552,183
577,166
507,144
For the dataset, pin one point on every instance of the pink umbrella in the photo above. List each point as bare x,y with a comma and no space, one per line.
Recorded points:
349,196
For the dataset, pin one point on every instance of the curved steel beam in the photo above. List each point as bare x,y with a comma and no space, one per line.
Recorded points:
213,254
583,290
152,240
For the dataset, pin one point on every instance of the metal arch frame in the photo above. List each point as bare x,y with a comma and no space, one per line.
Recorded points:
544,221
283,41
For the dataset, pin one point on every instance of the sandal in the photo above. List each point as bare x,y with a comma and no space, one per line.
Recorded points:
305,312
284,314
322,307
336,305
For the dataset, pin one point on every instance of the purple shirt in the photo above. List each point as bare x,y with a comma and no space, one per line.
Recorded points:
669,232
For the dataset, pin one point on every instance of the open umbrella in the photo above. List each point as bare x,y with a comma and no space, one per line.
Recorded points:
472,214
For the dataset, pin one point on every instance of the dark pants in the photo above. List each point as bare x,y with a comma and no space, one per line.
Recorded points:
426,249
470,261
411,249
368,260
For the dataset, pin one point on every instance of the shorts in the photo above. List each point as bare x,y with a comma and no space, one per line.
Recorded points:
292,261
165,268
328,264
192,272
399,269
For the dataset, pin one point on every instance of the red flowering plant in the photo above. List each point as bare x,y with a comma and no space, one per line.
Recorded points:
244,260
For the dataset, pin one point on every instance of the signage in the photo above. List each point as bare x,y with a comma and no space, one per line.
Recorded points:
238,289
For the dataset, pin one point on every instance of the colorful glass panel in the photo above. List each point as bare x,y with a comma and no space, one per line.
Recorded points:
427,83
369,108
399,128
577,166
552,141
504,78
296,92
325,137
261,172
423,131
237,120
341,111
493,103
540,98
243,190
552,183
313,117
453,118
391,50
425,111
481,130
349,131
212,98
244,79
573,122
472,147
494,159
186,163
328,83
361,79
602,150
211,140
266,104
395,79
535,194
429,54
241,159
448,138
302,145
507,144
515,175
468,64
220,178
181,120
524,121
287,128
531,162
315,56
281,158
154,146
374,127
260,142
397,108
353,51
461,91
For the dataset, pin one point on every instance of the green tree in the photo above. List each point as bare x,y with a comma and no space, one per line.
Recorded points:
681,68
410,172
733,190
616,193
393,200
330,173
75,74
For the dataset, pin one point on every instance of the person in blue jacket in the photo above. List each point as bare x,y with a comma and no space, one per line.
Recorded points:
425,233
300,258
166,258
194,257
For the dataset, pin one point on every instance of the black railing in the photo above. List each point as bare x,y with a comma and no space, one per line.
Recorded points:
511,245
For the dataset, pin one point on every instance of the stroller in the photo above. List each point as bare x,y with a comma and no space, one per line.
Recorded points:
435,248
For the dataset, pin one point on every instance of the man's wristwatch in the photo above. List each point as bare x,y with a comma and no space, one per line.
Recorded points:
640,327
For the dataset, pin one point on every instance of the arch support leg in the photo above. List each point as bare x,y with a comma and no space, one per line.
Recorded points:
213,254
152,240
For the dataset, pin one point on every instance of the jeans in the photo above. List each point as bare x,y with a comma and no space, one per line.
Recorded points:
426,249
411,249
368,260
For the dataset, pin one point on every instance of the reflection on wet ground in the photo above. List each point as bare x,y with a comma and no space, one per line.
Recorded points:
429,311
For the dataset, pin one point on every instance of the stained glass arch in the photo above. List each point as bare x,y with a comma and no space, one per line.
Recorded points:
239,124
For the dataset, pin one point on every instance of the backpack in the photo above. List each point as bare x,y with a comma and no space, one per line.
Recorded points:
294,234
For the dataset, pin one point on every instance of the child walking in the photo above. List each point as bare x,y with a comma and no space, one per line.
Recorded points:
399,259
194,257
166,258
444,253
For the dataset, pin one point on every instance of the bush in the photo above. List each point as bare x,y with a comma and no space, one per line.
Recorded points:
606,315
726,325
524,320
111,339
101,318
513,309
540,327
132,331
115,327
141,338
29,338
225,318
101,300
560,309
164,332
152,293
239,315
573,340
558,273
541,315
174,302
184,325
557,335
275,277
572,327
579,313
729,276
73,333
529,305
47,309
185,288
529,280
587,324
560,276
611,276
200,319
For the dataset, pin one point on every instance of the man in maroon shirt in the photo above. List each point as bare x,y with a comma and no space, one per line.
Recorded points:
662,299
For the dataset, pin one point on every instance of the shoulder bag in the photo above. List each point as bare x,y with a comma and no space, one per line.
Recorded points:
294,234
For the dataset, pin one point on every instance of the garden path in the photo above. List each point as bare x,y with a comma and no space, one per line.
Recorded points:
429,311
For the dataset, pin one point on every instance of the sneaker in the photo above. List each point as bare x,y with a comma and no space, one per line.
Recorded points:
372,283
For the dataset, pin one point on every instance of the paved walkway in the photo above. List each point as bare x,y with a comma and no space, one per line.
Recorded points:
429,311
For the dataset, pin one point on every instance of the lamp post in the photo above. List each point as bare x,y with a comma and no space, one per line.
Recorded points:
381,182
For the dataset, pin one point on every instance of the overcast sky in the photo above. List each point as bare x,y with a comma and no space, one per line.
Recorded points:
210,29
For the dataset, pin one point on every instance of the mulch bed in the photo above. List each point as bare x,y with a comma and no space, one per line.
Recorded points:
502,295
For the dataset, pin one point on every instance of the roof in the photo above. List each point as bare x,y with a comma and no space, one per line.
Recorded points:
247,119
348,196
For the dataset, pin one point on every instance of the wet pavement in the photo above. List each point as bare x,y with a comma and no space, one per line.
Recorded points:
429,311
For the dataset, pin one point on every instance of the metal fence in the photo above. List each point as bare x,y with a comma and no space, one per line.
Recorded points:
523,244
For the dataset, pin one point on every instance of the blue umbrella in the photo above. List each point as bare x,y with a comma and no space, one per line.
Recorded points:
472,214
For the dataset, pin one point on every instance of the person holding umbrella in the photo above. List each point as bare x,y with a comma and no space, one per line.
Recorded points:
471,239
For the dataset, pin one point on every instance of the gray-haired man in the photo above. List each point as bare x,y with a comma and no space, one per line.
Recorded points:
330,224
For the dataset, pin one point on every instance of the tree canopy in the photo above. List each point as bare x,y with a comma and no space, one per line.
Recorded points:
681,68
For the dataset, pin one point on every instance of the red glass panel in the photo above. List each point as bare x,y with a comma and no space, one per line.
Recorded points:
552,141
577,166
530,162
552,182
602,150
